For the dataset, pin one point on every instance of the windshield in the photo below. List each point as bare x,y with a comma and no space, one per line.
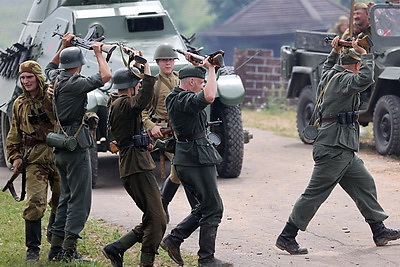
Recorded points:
94,2
387,21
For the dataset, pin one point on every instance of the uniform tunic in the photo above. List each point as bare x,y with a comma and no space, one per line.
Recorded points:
195,160
335,146
41,169
136,165
74,166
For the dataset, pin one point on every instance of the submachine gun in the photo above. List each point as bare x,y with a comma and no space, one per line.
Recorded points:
88,41
12,57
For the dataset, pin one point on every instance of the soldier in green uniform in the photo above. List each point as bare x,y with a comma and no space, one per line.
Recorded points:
155,115
335,147
70,96
362,27
195,157
32,120
136,165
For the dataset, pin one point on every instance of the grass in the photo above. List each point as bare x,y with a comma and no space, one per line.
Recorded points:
97,233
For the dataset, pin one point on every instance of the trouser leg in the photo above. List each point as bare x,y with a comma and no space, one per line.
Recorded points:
206,252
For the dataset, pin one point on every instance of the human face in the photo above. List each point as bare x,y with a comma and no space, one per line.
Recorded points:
29,81
197,84
361,18
166,65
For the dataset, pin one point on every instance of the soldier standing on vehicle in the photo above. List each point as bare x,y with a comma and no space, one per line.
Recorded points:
362,27
32,120
334,148
70,97
195,157
136,165
155,115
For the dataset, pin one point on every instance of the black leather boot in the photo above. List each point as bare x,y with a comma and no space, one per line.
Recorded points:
287,240
56,251
168,192
70,252
52,218
383,235
172,242
33,236
147,259
207,237
115,251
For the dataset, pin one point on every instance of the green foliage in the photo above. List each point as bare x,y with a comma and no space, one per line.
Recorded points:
224,9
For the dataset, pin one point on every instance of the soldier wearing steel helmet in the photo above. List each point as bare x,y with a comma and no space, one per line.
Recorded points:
155,115
136,165
70,98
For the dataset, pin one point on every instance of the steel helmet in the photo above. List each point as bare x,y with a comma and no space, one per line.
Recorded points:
123,78
71,57
165,51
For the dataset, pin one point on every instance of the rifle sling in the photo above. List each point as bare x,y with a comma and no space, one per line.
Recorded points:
23,188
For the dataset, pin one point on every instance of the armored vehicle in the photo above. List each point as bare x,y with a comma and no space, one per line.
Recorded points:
302,65
140,24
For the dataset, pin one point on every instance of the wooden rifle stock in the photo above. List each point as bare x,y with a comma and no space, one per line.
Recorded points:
365,42
215,58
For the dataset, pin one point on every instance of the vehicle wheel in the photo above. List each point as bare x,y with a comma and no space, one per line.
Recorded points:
231,134
305,108
5,128
386,124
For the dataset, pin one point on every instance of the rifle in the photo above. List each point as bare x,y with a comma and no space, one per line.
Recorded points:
365,42
216,58
132,53
88,41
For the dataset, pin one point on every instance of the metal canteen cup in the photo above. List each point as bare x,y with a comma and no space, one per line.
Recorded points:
310,132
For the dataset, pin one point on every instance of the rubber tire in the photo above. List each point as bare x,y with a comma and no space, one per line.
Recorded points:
4,128
305,108
231,133
386,125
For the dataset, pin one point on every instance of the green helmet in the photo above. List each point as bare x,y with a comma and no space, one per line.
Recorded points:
165,51
123,78
71,57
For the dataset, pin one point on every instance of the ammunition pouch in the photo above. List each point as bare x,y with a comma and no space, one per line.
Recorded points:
167,145
61,141
138,141
343,117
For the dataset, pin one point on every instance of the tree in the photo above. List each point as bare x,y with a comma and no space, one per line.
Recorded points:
224,9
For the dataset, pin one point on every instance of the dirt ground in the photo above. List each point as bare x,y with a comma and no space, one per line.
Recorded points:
257,204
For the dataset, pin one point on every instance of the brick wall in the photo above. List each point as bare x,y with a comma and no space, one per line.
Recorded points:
261,76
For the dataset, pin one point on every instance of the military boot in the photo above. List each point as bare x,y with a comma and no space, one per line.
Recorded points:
168,192
56,251
287,240
33,236
172,242
206,252
383,235
70,252
147,259
115,251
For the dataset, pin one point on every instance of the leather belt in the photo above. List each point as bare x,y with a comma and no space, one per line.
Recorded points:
188,138
322,120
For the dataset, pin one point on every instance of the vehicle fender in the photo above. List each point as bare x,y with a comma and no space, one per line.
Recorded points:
390,73
301,76
230,89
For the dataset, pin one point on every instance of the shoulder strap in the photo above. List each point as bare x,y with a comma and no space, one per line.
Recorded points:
320,98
